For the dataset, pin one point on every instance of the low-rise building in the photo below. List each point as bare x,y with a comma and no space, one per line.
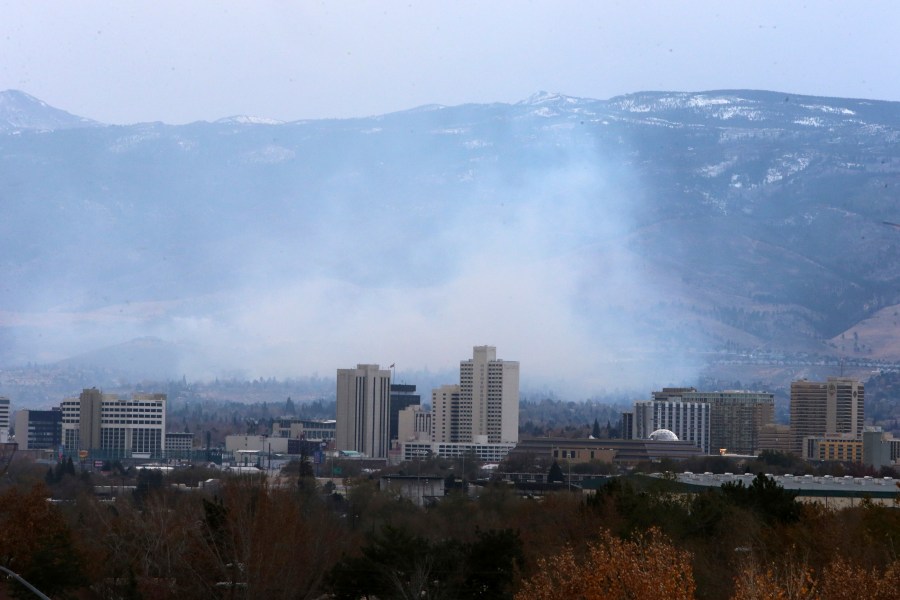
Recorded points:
179,442
256,443
482,452
836,447
420,489
623,452
880,448
304,429
775,437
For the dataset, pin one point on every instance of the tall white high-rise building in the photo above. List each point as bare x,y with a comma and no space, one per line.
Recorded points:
363,410
488,398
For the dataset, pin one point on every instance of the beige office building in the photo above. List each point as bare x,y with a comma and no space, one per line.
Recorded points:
107,426
363,410
414,424
836,406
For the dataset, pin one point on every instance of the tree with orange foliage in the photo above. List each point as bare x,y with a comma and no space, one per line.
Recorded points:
790,582
844,581
647,566
840,580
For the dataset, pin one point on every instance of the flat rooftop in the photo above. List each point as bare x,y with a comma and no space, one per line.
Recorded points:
804,485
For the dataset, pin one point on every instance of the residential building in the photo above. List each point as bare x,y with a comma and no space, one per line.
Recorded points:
363,410
835,406
4,419
687,420
106,426
39,429
479,415
445,410
488,398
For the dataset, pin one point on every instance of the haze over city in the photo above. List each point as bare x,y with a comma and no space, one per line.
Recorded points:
514,265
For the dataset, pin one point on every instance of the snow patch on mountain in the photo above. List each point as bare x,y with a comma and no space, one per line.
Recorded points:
791,164
710,171
839,110
810,122
249,120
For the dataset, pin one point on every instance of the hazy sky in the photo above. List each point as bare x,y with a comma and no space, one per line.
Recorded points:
124,62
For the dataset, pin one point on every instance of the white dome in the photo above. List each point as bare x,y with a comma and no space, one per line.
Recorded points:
663,435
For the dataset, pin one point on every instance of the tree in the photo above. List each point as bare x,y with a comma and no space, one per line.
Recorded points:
149,481
491,562
555,474
764,496
397,564
37,544
595,432
647,566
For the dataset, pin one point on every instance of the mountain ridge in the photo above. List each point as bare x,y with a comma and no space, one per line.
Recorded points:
722,219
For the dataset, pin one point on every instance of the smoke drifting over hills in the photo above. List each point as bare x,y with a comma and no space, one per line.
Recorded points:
604,245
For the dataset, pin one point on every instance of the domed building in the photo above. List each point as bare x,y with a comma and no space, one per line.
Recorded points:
663,435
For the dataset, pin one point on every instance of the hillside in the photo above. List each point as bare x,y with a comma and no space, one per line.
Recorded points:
654,228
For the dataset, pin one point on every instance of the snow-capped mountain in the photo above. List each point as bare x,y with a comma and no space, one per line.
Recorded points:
20,111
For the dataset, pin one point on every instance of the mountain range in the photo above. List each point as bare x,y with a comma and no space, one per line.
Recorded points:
649,233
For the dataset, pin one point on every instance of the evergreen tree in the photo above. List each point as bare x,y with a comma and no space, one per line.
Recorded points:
555,474
596,430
